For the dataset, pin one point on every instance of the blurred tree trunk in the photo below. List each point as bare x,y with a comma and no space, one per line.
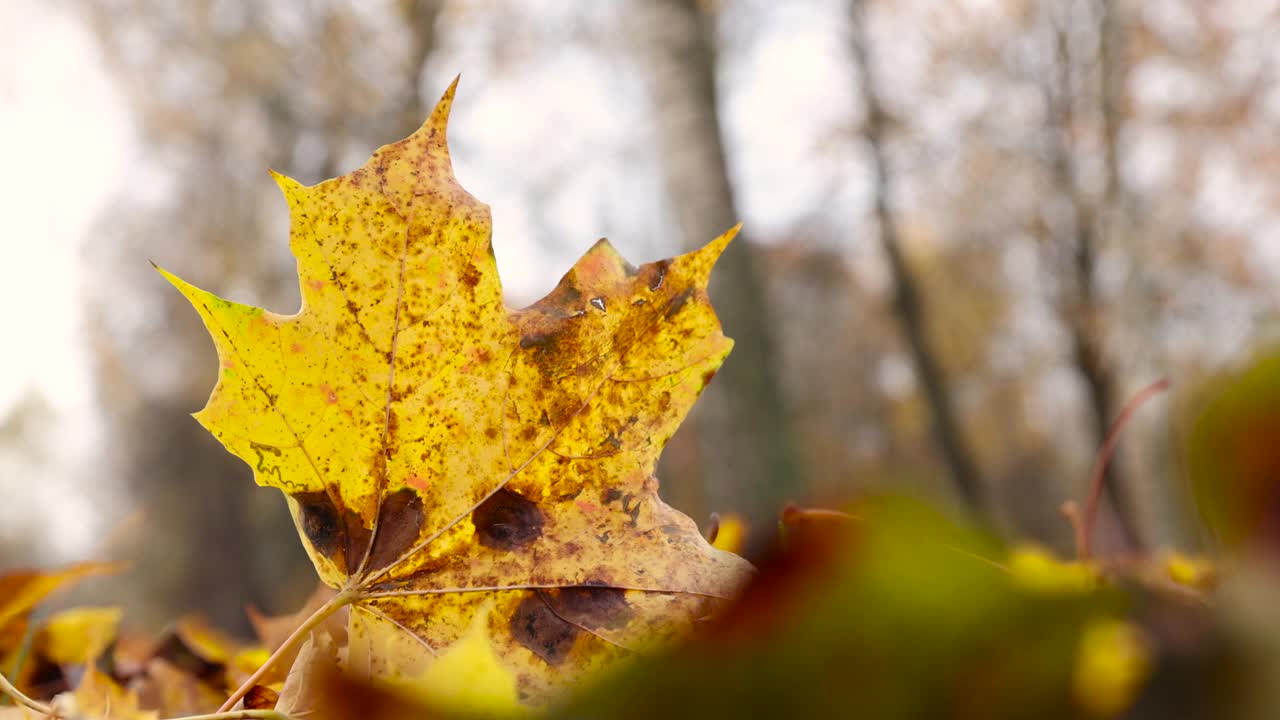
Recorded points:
1086,234
908,304
749,461
232,98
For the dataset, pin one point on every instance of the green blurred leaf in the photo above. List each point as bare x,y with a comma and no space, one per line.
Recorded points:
1235,460
897,616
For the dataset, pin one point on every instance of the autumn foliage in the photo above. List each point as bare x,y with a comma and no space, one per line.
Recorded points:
475,486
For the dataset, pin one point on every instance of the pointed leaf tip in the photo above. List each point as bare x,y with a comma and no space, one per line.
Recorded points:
445,105
290,188
174,280
705,257
719,244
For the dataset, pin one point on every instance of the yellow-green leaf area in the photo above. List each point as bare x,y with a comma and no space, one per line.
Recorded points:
450,460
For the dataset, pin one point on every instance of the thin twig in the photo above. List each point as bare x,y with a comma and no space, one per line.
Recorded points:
21,698
345,597
239,715
1104,458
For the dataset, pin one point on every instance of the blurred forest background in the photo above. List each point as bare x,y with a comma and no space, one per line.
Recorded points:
973,230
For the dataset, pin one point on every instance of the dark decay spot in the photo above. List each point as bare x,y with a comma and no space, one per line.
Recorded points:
631,509
678,302
536,626
592,607
400,522
335,532
491,433
536,340
707,376
321,524
659,274
611,494
507,521
569,294
470,276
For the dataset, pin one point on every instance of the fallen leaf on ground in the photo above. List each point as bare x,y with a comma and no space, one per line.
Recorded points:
101,698
22,590
77,636
272,631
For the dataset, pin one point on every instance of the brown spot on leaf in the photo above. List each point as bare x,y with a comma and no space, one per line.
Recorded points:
539,340
679,301
592,607
507,521
537,627
322,524
631,509
470,276
336,532
658,274
400,522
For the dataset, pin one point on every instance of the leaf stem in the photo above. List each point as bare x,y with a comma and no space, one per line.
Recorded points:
238,715
21,698
1104,458
345,597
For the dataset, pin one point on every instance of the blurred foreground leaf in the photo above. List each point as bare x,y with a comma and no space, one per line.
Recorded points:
896,616
1235,460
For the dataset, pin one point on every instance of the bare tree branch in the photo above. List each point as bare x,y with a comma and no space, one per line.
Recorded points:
906,293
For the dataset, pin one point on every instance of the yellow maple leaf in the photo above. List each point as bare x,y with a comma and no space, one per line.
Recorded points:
444,455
